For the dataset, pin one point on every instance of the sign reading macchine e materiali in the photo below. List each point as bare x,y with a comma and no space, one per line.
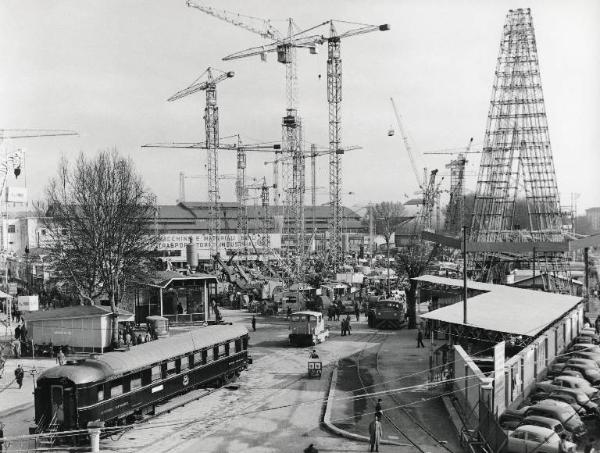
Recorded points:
227,242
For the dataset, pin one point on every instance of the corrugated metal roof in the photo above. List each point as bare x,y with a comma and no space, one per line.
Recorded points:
76,311
503,308
155,351
145,354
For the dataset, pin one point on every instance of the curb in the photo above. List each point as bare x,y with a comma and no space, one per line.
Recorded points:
341,432
15,409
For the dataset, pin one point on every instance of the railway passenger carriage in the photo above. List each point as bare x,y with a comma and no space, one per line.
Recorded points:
387,314
119,386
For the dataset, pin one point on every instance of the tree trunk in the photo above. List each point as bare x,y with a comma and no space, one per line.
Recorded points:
411,302
114,320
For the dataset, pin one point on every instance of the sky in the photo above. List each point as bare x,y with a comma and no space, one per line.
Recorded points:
105,68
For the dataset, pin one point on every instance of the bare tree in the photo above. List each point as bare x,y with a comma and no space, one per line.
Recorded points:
388,216
412,260
99,220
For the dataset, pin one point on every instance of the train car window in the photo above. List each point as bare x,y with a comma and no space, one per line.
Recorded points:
238,345
171,367
101,393
207,355
116,389
245,343
198,359
156,373
185,363
221,351
136,382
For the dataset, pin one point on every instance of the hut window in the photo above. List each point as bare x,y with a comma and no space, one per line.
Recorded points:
185,363
156,374
136,383
171,368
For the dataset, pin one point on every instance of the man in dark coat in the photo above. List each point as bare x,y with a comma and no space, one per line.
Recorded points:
253,323
19,375
420,338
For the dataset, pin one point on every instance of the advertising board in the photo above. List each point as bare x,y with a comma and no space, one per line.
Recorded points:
28,303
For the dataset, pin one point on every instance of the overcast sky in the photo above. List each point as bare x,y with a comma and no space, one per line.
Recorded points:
105,68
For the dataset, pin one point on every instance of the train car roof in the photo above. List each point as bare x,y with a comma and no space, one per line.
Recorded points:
308,312
143,355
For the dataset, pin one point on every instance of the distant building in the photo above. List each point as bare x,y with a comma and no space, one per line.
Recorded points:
185,221
593,216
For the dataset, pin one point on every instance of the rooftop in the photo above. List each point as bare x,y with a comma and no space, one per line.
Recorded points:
503,308
76,311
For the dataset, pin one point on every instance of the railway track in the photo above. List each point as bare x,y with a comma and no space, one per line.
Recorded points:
402,420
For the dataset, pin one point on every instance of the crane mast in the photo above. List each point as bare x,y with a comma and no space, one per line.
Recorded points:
211,130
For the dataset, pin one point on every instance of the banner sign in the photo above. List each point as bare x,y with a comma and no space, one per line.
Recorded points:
227,242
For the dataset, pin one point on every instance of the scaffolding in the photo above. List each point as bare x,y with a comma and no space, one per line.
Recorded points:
517,157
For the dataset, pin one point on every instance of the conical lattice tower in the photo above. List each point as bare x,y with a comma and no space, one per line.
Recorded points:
517,161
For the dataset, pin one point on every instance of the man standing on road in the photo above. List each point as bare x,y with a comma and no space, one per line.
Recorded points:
60,357
19,374
420,339
348,328
375,434
357,312
253,323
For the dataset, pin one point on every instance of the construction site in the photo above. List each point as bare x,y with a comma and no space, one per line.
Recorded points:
295,224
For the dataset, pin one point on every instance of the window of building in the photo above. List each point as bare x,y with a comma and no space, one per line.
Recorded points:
171,367
156,374
116,389
12,228
101,393
185,363
136,382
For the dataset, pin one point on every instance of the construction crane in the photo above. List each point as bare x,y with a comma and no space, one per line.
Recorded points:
211,122
285,48
183,177
430,197
334,99
455,211
409,150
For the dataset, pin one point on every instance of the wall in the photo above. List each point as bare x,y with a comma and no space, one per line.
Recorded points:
84,334
520,371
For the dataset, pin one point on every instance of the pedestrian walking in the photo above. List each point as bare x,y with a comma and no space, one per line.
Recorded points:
375,434
16,345
18,332
343,327
253,323
19,374
357,312
348,328
60,357
378,409
420,338
128,339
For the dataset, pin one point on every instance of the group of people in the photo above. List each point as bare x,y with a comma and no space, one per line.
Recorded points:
128,337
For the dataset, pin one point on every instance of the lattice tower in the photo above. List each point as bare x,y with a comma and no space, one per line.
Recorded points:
334,99
211,121
456,204
294,184
517,153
